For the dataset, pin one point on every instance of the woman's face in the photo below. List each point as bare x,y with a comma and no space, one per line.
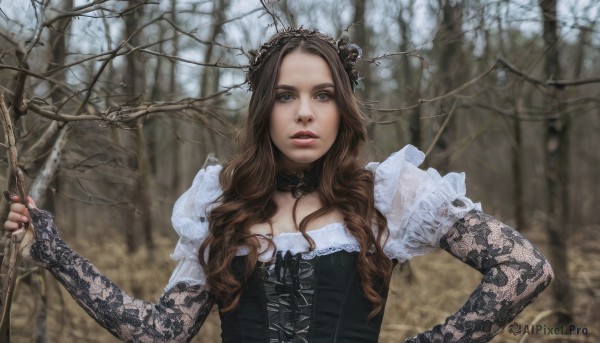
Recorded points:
305,118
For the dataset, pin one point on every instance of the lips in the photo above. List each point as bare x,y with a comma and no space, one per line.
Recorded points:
305,134
304,138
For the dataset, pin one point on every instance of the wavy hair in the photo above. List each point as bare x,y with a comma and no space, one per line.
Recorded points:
249,183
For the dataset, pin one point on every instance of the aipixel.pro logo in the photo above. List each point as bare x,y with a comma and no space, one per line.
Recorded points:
539,329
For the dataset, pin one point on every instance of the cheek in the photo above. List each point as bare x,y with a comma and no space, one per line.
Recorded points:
272,123
334,124
276,118
275,131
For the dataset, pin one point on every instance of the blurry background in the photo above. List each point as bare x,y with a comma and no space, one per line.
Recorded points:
119,103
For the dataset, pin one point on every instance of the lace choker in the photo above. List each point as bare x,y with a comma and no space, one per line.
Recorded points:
298,183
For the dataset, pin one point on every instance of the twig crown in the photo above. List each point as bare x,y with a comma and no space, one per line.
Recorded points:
350,53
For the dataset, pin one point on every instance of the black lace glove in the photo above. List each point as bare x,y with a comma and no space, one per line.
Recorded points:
177,317
514,273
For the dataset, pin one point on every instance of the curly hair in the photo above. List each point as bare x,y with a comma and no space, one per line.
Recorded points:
249,183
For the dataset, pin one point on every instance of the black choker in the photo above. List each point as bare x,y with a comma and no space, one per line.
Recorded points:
298,183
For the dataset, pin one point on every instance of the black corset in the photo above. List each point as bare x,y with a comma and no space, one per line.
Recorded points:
297,300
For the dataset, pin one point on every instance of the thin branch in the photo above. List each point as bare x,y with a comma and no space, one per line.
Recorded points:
123,114
554,83
412,53
459,89
196,38
508,113
241,16
17,236
24,71
442,128
76,12
33,42
17,98
36,149
94,81
8,39
274,16
11,141
185,60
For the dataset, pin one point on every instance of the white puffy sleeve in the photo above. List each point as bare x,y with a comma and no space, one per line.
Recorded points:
189,220
420,206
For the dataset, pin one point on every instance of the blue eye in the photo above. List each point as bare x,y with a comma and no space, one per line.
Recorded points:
285,97
323,96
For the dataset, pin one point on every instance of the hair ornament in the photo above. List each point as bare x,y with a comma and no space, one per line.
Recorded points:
349,53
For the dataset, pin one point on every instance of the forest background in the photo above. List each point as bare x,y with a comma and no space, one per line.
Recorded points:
117,104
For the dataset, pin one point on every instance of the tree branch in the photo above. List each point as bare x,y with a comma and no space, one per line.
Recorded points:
123,114
560,84
17,236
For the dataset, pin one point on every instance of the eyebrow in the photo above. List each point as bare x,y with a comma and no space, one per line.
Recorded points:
319,86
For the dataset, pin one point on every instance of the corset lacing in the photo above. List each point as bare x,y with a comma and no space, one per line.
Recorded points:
290,301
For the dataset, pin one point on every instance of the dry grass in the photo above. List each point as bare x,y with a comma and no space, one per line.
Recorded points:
436,285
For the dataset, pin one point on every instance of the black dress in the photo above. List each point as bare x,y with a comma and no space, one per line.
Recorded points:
302,300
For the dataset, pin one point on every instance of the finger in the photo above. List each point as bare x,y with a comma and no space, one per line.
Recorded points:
31,202
19,208
12,226
15,198
17,217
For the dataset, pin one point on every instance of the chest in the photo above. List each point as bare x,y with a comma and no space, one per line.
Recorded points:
283,219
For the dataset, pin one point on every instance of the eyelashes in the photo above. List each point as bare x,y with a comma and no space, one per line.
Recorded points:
320,96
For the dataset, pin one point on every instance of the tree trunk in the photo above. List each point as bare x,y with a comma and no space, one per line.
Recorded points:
580,146
448,43
361,37
408,90
557,167
210,76
175,155
517,171
202,138
517,150
137,197
143,187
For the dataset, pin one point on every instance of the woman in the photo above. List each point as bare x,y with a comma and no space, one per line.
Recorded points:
294,238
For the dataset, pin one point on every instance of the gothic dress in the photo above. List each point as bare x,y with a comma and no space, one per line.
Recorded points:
297,295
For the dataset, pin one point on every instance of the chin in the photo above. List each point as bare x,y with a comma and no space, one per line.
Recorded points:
304,161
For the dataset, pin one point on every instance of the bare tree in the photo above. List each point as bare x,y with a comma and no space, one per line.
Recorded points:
409,80
68,94
362,37
448,43
556,142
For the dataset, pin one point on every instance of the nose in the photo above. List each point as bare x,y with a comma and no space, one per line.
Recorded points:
305,112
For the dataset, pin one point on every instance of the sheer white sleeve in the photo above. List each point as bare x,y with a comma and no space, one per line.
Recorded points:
420,205
189,220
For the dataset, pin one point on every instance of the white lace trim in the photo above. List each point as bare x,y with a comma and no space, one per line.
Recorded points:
327,251
329,239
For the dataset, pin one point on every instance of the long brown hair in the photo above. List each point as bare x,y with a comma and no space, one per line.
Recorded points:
248,183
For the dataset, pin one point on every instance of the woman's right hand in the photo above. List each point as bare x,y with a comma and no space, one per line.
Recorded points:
18,217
